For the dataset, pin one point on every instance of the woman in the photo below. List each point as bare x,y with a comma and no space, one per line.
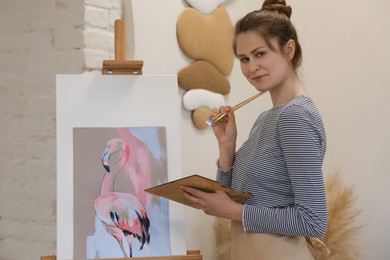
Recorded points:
280,164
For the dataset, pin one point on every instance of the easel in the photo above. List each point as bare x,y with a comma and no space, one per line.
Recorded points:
191,255
120,65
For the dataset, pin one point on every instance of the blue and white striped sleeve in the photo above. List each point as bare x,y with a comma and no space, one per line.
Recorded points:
224,177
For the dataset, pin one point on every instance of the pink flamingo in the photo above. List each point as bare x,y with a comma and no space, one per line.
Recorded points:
121,214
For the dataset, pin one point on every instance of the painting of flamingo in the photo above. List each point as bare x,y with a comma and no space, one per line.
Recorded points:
127,221
122,214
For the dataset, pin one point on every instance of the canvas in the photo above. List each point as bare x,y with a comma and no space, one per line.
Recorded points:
94,113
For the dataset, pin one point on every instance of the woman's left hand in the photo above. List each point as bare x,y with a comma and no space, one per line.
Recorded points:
216,203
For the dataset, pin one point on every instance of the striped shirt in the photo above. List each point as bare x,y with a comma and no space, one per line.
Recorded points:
280,164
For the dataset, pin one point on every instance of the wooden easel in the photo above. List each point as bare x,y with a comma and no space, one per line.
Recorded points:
131,67
120,65
191,255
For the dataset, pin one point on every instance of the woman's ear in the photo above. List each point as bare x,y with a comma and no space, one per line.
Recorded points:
289,49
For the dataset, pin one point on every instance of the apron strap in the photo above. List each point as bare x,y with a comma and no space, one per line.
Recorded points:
318,245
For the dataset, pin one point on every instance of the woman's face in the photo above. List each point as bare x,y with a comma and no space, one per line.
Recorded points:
264,68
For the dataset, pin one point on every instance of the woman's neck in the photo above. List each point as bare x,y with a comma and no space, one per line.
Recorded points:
292,87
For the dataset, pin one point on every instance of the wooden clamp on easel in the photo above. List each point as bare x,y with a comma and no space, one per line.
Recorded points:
120,65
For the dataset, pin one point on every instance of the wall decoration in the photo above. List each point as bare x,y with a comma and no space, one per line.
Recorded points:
205,35
204,75
195,98
97,111
205,6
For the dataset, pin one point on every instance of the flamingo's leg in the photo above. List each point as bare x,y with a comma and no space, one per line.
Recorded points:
123,249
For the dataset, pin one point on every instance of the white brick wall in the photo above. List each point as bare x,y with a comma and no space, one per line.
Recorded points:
100,16
39,39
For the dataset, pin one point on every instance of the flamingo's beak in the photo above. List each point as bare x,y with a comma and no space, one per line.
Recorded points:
105,158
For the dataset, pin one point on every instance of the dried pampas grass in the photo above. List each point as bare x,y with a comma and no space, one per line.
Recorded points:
342,220
341,230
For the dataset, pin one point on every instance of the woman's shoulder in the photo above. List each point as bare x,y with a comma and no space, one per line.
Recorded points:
299,106
300,111
300,118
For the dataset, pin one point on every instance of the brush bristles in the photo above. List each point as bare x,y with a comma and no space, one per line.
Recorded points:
209,122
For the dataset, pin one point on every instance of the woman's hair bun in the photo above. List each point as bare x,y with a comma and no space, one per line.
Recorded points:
279,6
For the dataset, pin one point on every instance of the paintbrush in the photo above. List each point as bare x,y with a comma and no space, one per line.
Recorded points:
223,114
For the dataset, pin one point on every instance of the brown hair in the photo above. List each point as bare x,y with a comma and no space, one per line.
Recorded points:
272,21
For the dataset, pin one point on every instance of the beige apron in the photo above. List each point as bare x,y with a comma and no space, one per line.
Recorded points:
258,246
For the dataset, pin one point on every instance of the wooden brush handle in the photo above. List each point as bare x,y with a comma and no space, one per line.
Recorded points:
246,101
223,114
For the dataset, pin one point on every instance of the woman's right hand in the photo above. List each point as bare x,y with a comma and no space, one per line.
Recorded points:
225,130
